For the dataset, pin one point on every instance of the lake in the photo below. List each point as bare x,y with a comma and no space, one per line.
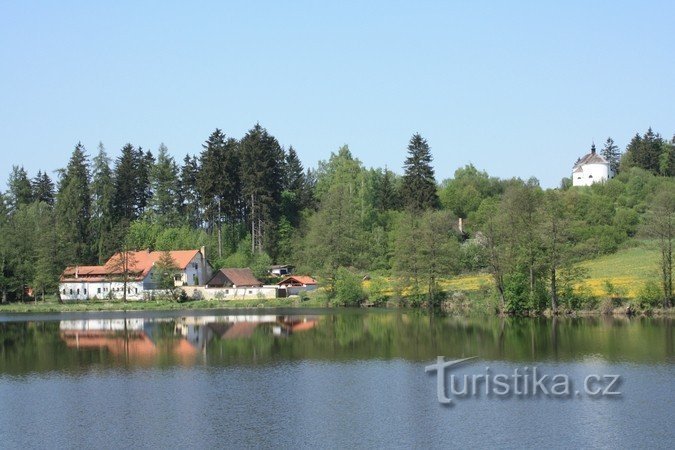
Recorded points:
333,378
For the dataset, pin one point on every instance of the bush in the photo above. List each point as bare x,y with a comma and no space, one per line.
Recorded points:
377,291
650,296
516,294
348,290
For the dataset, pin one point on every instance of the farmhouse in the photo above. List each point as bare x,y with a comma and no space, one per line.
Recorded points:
592,168
137,267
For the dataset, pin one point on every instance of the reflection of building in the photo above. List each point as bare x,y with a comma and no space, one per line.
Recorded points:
106,281
143,341
126,338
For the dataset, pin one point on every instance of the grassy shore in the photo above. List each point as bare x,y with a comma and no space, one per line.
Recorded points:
51,305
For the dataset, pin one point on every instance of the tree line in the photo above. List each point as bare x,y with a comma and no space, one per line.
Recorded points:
251,202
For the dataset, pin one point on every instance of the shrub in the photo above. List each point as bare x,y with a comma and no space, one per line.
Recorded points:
650,295
516,294
348,289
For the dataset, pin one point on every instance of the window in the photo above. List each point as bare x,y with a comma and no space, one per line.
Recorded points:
78,291
590,176
64,292
98,290
71,292
136,290
85,291
195,266
227,291
250,292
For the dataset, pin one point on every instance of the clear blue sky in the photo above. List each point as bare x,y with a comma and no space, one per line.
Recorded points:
516,88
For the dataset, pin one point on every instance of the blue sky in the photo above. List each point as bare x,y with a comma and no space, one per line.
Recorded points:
516,88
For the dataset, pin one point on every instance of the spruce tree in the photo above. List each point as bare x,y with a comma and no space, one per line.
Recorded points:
164,185
218,180
418,191
132,183
294,196
43,188
611,153
262,161
73,209
103,218
188,196
20,190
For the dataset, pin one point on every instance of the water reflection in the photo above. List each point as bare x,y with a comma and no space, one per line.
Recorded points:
142,341
220,340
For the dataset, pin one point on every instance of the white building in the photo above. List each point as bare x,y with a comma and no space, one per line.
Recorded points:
101,282
592,168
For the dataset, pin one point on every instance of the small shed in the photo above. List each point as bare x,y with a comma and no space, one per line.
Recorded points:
298,283
281,269
234,278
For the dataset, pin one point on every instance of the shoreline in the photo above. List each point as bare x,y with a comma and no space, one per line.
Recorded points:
159,306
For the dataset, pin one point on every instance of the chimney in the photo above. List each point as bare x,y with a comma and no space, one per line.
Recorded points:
77,271
204,267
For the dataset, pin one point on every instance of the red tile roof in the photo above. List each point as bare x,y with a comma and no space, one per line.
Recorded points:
236,277
140,264
297,280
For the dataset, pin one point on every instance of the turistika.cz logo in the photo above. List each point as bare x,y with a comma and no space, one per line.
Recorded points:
522,382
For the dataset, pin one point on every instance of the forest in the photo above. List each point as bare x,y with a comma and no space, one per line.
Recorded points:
251,203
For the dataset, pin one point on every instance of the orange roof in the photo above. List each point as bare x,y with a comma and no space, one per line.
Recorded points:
139,264
295,280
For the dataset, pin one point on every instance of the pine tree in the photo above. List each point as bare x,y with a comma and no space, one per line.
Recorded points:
132,183
73,209
164,185
262,160
144,164
419,185
20,190
188,196
645,152
103,218
43,188
294,193
611,153
386,195
46,266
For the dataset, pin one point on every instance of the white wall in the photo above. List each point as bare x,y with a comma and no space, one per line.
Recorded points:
240,293
295,290
100,290
591,173
187,276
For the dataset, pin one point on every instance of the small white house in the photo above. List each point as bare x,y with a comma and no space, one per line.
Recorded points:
592,168
138,267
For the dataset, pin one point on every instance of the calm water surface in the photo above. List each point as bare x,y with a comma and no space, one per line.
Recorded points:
324,378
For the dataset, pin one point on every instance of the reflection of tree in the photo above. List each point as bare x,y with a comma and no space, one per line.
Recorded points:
354,335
